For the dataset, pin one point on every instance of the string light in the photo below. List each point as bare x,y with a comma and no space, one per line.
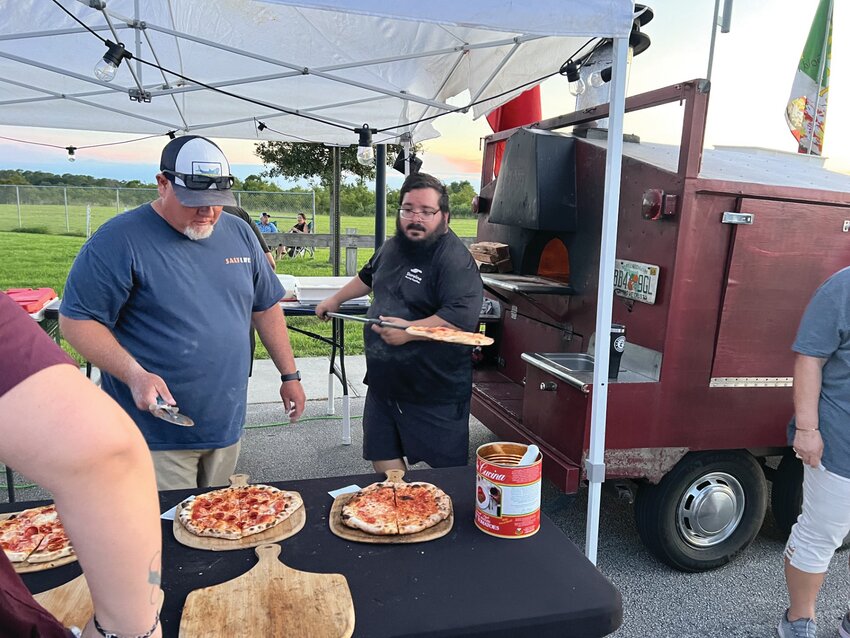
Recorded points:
365,152
71,150
107,67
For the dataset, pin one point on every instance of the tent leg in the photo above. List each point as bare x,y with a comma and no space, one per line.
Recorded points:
605,301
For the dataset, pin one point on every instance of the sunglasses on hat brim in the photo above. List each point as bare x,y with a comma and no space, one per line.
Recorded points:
202,182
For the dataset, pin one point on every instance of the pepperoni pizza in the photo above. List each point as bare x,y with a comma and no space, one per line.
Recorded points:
35,536
237,512
389,508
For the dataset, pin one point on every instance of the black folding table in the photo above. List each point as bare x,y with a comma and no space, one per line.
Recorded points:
466,583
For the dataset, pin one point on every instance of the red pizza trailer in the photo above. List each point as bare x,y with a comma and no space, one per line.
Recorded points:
718,253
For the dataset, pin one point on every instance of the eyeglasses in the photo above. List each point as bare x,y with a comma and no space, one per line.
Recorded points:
203,182
409,213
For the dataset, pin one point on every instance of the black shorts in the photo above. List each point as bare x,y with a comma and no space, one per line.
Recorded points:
435,433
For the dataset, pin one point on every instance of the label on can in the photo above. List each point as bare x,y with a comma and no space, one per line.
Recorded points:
507,497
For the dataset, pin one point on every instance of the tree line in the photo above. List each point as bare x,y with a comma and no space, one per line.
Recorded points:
356,198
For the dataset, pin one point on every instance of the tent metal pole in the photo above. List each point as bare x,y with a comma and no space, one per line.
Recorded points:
595,462
380,194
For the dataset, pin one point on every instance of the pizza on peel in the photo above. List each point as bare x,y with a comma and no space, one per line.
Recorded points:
450,335
35,535
389,508
236,512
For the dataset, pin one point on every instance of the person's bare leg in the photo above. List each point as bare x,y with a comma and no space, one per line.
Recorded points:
803,589
391,464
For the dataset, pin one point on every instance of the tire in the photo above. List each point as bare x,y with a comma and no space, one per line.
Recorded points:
708,508
786,498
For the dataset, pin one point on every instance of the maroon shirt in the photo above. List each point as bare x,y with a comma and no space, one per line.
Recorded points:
24,350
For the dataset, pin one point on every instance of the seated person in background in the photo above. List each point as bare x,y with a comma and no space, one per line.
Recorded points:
242,214
62,431
301,226
266,225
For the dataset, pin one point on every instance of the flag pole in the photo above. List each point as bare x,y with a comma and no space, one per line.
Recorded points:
820,76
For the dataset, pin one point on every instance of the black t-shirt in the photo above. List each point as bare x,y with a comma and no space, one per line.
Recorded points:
413,285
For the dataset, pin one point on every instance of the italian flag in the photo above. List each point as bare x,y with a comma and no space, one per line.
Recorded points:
806,110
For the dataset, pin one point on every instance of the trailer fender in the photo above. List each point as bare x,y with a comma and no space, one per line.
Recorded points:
650,463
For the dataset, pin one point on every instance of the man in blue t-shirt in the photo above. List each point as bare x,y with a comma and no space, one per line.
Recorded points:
266,225
820,436
161,299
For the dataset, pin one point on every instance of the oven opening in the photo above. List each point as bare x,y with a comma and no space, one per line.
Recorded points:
555,261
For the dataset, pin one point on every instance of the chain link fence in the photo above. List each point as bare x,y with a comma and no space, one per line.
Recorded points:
79,210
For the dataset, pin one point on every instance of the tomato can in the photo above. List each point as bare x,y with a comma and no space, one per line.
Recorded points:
507,497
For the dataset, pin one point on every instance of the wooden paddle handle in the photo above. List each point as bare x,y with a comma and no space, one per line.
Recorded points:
395,476
239,480
267,552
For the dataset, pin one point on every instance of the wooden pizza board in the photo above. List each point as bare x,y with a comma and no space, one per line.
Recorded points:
349,533
71,603
271,600
290,527
27,568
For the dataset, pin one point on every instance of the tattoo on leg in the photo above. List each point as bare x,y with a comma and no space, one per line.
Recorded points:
154,578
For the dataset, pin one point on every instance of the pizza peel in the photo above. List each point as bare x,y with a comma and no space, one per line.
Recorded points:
484,341
351,534
70,603
271,599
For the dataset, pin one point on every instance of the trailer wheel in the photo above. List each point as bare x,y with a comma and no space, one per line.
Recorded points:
786,498
708,508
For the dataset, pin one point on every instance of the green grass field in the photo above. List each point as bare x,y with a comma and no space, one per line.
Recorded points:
35,260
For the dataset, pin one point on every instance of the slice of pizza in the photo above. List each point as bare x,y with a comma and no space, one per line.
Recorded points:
264,506
372,510
420,506
215,514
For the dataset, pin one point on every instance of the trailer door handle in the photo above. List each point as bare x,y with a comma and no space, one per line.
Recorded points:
548,386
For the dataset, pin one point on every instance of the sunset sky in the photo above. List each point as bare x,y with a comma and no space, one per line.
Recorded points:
753,70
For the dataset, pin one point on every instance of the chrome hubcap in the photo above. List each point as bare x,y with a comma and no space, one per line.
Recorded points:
710,509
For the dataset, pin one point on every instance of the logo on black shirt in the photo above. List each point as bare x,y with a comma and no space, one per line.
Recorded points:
413,275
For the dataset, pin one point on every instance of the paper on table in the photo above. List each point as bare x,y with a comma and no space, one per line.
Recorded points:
348,489
168,515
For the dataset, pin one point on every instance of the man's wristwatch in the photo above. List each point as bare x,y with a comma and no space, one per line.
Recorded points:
292,376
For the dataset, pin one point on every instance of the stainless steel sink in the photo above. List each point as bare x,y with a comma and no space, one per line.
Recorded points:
573,368
570,361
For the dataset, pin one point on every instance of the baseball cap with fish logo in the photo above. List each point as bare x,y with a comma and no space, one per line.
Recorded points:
198,171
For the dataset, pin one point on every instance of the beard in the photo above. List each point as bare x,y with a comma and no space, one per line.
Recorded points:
194,234
426,243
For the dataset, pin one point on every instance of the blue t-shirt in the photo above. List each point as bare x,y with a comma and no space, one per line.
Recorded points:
266,228
182,309
825,333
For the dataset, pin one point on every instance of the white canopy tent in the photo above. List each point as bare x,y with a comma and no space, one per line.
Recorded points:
310,71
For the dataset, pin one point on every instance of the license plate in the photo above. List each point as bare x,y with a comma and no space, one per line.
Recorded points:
634,280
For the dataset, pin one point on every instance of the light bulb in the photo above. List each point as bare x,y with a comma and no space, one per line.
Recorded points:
105,71
365,155
71,158
106,68
596,79
578,86
71,150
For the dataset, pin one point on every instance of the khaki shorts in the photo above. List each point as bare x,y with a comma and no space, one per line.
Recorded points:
823,523
186,469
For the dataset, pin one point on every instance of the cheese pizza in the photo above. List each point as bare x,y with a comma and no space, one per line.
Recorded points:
396,508
236,512
35,536
450,335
